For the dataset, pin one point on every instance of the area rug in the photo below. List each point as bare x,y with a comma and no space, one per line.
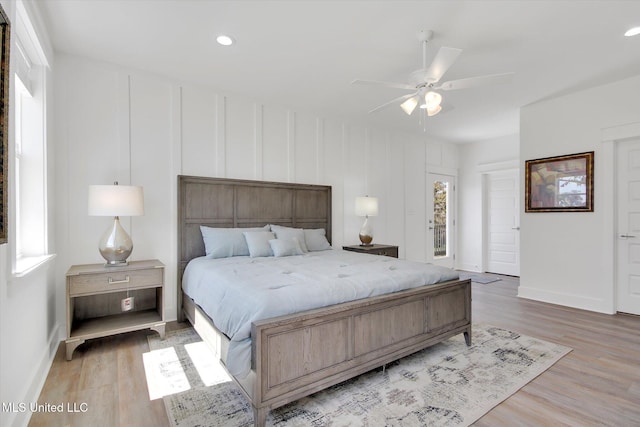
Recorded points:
448,384
479,279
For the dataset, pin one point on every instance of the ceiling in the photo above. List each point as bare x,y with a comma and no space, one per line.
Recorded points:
304,54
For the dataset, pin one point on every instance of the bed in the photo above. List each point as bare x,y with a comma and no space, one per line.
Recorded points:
295,355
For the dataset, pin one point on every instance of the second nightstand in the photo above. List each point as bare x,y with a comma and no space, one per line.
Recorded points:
387,250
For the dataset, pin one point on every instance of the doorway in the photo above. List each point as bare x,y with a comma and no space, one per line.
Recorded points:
441,219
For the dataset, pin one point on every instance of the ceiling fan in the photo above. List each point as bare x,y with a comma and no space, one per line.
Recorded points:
424,83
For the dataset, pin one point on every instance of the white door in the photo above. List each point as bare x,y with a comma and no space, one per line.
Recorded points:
628,247
440,219
503,223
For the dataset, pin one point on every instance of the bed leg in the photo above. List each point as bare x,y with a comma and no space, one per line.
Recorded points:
467,337
260,416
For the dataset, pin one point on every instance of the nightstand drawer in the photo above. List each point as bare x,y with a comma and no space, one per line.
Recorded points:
113,281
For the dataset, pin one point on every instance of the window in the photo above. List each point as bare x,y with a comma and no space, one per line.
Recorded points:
30,243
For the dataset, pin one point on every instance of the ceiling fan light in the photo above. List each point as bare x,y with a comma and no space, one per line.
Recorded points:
433,111
409,105
225,40
432,100
632,32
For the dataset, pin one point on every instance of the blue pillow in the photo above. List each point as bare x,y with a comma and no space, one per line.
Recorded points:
289,233
258,243
285,247
226,242
316,239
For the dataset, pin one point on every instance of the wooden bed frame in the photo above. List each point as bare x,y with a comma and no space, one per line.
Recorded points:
296,355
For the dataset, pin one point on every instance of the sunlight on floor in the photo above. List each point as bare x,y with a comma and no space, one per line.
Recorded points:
207,366
164,373
167,374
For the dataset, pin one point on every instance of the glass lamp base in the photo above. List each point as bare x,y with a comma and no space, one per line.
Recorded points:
366,233
115,245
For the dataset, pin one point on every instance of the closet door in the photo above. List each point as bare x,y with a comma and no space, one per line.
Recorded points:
628,236
503,223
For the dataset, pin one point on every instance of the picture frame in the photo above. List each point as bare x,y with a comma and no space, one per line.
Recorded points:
560,184
5,43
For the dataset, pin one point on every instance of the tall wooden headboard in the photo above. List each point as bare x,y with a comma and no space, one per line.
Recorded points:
226,203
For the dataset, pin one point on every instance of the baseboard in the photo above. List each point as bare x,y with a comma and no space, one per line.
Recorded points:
37,380
567,300
469,267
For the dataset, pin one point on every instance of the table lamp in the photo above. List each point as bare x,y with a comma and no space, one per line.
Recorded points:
115,200
366,206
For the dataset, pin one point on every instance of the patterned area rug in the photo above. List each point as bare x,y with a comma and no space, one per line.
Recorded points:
448,384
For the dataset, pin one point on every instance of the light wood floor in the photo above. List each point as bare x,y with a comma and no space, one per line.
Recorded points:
598,383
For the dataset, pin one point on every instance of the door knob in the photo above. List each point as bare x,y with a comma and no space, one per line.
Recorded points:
516,228
627,236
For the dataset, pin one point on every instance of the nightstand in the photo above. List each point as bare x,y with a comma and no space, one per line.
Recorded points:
95,306
387,250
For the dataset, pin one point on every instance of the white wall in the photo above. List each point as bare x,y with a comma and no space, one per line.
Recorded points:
115,123
29,314
563,254
477,159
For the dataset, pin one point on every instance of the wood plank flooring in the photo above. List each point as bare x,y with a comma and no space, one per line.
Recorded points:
597,384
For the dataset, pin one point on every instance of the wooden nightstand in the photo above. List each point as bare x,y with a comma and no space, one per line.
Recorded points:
387,250
95,293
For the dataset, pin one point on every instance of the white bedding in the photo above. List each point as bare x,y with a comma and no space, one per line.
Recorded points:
237,291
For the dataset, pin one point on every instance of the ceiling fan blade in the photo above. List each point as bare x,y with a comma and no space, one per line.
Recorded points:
379,83
393,101
445,57
491,79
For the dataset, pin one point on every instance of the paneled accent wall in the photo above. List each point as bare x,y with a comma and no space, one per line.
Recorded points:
120,124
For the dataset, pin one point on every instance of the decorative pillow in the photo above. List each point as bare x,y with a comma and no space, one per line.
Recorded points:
289,233
258,242
226,242
285,247
316,239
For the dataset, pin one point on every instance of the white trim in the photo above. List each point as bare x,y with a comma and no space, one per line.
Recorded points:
565,299
614,133
498,166
439,170
27,265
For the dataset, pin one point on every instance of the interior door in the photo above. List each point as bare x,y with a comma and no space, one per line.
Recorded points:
503,222
628,239
440,219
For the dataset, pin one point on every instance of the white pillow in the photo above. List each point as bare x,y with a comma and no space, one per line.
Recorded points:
316,239
289,233
285,247
226,242
258,242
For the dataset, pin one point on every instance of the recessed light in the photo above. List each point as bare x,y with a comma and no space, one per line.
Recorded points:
632,32
224,40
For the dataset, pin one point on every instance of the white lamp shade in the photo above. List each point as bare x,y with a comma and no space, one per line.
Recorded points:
116,200
433,111
366,206
431,100
409,105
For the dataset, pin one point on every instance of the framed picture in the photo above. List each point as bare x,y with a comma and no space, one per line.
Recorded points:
5,31
560,184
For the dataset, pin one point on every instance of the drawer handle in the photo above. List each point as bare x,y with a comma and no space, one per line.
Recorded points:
115,282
